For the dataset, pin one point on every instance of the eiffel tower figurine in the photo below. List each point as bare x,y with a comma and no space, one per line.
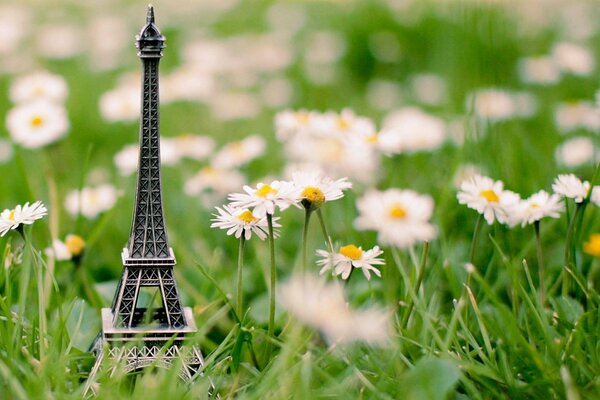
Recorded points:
136,335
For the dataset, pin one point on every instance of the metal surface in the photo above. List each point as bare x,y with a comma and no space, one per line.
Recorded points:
133,336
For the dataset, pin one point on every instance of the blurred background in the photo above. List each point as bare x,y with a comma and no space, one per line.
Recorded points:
509,84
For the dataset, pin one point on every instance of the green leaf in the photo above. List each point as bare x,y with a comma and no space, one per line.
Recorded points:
567,308
82,324
430,379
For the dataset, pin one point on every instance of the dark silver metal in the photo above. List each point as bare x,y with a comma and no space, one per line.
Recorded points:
148,260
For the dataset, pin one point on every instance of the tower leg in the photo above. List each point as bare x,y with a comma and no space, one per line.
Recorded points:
90,389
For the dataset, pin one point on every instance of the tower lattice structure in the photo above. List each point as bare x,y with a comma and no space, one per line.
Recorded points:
133,335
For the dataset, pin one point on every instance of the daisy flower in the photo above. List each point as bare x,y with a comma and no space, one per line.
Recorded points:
349,256
213,185
121,104
21,215
488,198
39,86
91,201
595,197
235,154
265,198
314,188
37,124
401,217
71,248
536,207
568,185
323,306
242,221
411,130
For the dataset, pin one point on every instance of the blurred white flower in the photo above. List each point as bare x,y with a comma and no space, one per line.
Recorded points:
169,151
575,152
323,306
21,215
122,104
59,40
289,123
91,201
493,104
536,207
6,151
324,47
539,70
213,185
15,21
572,58
384,95
595,197
237,153
107,47
265,198
577,115
243,221
196,147
229,106
339,144
40,85
384,46
73,246
277,92
429,89
499,105
126,159
409,130
401,217
349,256
488,198
570,186
187,83
37,124
286,17
314,188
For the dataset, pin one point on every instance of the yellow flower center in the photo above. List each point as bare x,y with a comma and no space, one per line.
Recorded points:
397,211
593,246
11,215
303,117
343,124
247,216
265,190
75,244
372,139
535,205
351,251
314,197
37,121
490,195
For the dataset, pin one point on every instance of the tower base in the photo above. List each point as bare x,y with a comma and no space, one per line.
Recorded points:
127,350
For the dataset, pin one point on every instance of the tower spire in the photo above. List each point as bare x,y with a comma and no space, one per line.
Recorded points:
148,239
150,15
136,331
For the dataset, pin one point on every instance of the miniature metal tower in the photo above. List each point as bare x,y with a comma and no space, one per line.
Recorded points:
136,334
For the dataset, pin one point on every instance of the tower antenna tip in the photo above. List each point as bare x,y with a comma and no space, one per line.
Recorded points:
150,16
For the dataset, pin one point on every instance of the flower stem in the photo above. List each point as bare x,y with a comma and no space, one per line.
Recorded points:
420,276
568,247
475,238
540,260
240,266
307,215
273,279
324,229
42,323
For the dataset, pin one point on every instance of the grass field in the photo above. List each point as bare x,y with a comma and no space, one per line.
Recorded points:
501,89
